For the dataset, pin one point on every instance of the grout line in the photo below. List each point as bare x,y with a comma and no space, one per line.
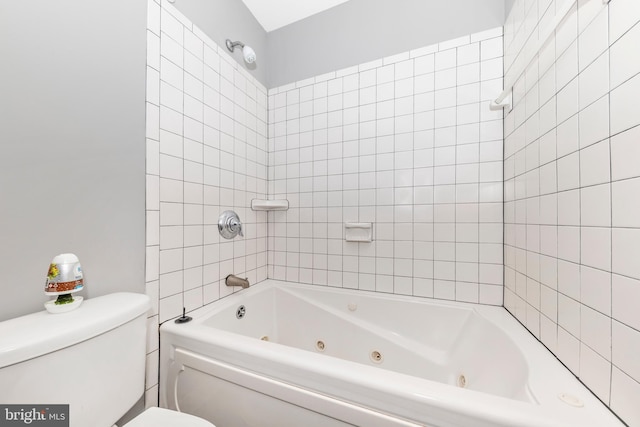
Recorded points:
608,402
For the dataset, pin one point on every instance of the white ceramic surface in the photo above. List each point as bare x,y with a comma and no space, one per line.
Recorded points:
92,358
427,348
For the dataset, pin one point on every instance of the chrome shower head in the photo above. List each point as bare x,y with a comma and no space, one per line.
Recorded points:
247,52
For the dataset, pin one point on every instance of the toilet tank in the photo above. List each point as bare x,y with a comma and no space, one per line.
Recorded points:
92,358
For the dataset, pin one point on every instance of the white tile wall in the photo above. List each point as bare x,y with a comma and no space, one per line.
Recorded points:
206,153
572,233
408,143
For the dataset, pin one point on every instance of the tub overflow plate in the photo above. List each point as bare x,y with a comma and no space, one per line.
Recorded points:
240,312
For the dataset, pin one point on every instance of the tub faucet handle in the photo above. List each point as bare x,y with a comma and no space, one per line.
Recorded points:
236,225
229,225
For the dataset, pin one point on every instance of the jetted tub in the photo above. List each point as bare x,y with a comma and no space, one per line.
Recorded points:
282,354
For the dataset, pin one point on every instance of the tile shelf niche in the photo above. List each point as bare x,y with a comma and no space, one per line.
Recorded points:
269,205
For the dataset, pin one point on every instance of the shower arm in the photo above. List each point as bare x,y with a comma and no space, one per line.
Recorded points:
232,45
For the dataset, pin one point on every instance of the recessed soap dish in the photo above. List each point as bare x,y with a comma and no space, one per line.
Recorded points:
358,231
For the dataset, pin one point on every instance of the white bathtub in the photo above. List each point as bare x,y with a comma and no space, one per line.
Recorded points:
313,356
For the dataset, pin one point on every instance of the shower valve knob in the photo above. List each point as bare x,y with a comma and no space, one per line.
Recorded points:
229,225
236,227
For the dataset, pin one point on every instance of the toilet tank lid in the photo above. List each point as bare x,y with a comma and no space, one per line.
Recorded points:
36,334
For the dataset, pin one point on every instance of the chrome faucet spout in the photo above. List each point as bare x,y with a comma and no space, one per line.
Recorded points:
232,280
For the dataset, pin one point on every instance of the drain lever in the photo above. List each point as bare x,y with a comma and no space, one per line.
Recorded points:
184,318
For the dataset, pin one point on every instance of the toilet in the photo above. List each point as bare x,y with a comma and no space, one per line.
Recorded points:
92,358
166,418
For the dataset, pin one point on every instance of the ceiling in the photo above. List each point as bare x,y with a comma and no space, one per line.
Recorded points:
273,14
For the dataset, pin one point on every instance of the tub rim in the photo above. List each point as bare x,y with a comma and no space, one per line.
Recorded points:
550,410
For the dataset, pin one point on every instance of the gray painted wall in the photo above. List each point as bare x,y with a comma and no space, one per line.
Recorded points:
230,19
364,30
72,123
508,5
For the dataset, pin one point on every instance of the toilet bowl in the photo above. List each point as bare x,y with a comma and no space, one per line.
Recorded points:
158,417
92,359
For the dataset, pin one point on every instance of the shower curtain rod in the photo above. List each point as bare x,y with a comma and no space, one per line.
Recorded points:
505,100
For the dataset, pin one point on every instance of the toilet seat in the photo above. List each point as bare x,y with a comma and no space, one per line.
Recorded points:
159,417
